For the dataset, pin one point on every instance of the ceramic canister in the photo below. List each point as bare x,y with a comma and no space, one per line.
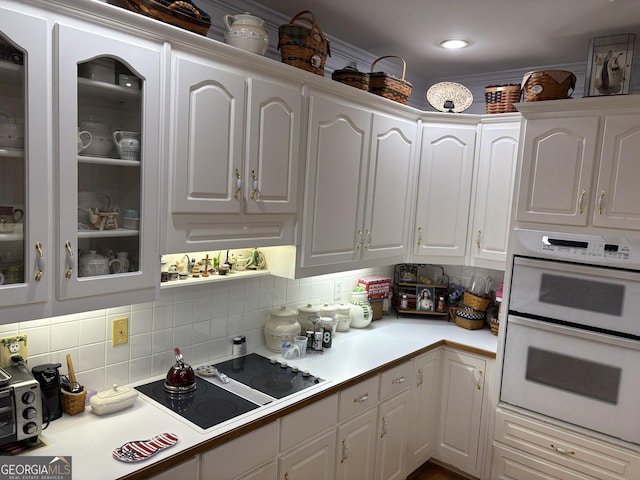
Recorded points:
361,313
282,326
304,313
343,317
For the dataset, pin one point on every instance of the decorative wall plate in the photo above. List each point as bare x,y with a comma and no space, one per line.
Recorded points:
449,97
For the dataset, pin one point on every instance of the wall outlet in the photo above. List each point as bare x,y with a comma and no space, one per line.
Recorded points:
337,291
13,345
120,331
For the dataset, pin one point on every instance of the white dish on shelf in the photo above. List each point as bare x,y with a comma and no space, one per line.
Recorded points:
441,93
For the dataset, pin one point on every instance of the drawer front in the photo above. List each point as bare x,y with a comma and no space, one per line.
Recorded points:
307,422
576,452
358,398
395,380
509,464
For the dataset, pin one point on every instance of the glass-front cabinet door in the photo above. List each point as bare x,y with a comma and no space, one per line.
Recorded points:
108,128
25,167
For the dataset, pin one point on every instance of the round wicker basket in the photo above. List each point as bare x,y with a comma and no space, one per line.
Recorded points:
548,85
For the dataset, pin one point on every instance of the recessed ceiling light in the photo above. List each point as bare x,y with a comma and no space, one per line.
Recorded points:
454,43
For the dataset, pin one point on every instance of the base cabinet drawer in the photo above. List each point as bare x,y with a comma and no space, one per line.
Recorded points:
510,464
580,454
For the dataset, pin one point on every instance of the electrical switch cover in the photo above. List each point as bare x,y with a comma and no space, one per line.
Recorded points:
13,345
119,331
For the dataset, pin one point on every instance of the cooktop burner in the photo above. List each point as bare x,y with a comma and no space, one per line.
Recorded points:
274,379
206,406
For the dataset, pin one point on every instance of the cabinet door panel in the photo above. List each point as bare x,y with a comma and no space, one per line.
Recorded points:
209,119
314,460
273,143
393,416
557,168
337,153
444,191
357,447
497,159
617,202
392,151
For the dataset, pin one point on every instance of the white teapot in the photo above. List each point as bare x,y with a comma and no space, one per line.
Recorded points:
92,264
246,31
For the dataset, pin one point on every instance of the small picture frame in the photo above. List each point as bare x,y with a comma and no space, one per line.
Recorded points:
609,65
425,299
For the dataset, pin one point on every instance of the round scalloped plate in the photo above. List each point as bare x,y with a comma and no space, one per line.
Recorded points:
439,93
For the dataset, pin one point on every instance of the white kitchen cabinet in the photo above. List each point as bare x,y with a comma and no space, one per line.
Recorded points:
579,163
25,168
230,460
461,435
358,168
523,444
187,470
356,447
235,140
444,175
314,459
391,448
424,408
130,181
493,189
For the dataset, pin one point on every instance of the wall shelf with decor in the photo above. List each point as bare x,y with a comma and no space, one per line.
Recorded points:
420,289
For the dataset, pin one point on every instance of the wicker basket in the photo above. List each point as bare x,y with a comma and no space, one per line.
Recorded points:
548,85
469,318
352,77
73,403
389,86
376,309
475,302
301,46
494,323
182,13
500,98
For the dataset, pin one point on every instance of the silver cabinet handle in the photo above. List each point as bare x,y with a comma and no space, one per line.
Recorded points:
40,262
236,193
478,238
601,202
419,235
345,452
562,451
581,201
398,380
419,378
70,260
479,380
362,398
384,427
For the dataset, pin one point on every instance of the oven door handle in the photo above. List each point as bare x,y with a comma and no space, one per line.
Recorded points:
612,274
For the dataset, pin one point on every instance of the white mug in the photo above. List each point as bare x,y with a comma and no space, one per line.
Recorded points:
289,350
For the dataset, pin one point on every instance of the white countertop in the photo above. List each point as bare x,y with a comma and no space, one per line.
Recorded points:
89,439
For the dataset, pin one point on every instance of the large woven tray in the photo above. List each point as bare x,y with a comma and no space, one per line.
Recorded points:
181,13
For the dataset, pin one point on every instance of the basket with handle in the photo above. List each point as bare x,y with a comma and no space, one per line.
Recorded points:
500,98
475,302
181,13
548,85
73,403
303,46
353,77
390,86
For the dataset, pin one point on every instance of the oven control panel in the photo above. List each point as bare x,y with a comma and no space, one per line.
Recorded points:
596,249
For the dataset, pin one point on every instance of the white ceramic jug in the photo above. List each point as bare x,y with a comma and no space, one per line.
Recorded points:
84,139
246,31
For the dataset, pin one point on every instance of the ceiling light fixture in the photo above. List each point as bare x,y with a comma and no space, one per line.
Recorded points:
454,44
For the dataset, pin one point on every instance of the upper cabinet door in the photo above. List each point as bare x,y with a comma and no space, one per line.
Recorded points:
273,143
617,196
444,192
388,198
490,225
557,169
108,112
208,129
337,158
25,167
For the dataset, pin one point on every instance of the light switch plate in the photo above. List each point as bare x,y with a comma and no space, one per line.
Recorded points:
13,345
119,331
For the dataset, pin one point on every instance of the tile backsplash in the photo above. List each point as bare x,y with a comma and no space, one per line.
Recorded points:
201,320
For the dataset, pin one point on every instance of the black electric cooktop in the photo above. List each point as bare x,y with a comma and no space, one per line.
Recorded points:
272,378
210,404
206,406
